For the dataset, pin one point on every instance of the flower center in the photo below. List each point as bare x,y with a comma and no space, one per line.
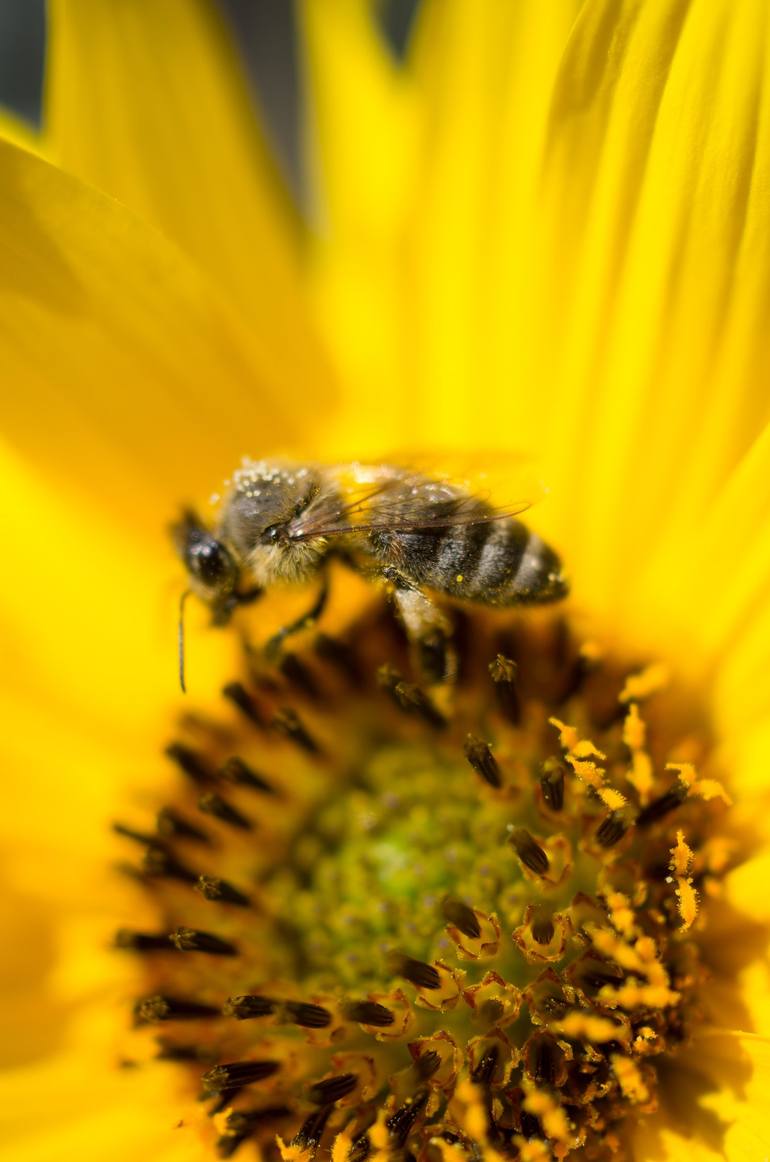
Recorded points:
384,923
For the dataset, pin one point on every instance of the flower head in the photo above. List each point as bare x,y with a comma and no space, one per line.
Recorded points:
365,919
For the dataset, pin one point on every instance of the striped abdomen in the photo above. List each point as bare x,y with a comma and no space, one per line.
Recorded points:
494,562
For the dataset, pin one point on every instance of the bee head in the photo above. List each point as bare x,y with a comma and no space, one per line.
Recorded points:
211,567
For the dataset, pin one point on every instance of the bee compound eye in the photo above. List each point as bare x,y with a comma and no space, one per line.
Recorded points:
271,535
211,564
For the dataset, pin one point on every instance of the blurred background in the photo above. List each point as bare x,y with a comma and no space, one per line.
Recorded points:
265,33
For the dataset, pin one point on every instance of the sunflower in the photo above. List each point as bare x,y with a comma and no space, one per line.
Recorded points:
533,925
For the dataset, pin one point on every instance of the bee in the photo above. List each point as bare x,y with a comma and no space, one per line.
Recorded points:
284,523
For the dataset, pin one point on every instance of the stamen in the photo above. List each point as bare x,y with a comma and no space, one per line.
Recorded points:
552,784
425,976
662,806
220,891
193,940
167,1008
142,941
213,804
172,825
237,693
484,763
246,1008
237,1074
612,829
463,917
235,770
369,1013
332,1089
503,672
529,852
400,1124
288,723
189,762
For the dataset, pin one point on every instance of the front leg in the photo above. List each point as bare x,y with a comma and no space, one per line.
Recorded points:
429,631
309,618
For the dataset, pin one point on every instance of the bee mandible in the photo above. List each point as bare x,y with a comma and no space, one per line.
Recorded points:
283,523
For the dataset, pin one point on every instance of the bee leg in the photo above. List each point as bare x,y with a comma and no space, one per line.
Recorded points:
430,634
274,645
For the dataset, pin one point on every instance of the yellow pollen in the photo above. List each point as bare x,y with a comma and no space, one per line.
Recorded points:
681,856
634,728
645,684
552,1116
630,1078
579,1024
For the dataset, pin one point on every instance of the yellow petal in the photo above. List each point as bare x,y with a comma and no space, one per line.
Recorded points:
20,132
360,139
122,371
486,85
653,189
147,101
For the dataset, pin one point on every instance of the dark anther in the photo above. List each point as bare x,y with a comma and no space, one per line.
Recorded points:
484,763
242,1124
236,1074
171,1051
237,693
407,696
190,762
662,806
149,1010
161,864
427,1064
543,1062
552,784
213,804
221,892
399,1124
597,978
485,1069
463,917
425,976
369,1013
340,655
542,929
311,1131
193,940
434,657
415,701
235,770
172,825
612,829
331,1089
361,1148
529,852
130,833
307,1016
297,673
247,1007
288,723
503,673
142,941
530,1126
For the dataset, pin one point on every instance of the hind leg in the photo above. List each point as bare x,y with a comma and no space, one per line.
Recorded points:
430,634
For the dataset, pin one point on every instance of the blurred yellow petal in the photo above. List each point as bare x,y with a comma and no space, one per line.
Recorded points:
146,100
360,140
111,339
21,133
486,86
652,188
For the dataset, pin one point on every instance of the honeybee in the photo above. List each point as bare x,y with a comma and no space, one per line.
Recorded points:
284,523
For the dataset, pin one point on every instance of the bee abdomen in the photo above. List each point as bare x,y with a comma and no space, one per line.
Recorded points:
498,562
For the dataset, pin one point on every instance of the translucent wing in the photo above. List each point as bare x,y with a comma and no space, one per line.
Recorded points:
396,499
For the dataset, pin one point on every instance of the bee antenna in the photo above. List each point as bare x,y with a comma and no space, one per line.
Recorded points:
180,639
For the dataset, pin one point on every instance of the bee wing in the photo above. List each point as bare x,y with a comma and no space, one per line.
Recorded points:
399,501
